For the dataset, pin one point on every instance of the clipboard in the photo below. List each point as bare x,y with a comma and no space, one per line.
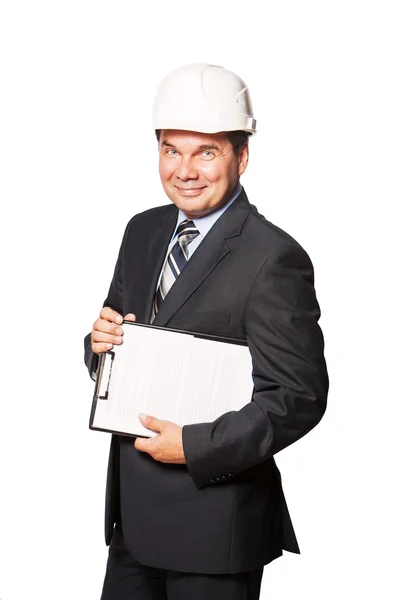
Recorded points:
175,375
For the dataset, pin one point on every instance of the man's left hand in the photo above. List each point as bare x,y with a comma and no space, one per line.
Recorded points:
167,446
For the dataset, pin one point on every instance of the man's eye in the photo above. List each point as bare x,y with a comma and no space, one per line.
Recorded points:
170,152
207,154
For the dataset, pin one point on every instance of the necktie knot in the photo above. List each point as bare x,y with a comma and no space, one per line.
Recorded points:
187,228
186,232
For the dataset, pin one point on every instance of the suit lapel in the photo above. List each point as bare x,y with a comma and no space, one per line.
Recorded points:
210,252
155,253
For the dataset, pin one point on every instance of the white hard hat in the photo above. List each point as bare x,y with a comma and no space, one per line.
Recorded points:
203,98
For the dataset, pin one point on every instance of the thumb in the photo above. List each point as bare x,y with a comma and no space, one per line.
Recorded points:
130,317
151,422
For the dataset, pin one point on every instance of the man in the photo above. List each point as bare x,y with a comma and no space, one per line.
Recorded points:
199,510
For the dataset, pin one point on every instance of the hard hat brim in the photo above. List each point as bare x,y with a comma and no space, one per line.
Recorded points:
246,124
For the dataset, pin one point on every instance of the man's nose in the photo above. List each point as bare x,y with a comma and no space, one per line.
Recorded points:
186,170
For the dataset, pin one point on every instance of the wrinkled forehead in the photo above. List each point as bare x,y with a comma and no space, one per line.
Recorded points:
192,139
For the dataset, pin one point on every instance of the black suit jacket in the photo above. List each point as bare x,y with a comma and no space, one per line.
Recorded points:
224,511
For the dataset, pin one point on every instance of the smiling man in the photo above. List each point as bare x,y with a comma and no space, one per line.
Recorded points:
197,511
200,171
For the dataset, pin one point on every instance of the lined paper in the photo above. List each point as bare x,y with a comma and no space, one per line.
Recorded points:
172,376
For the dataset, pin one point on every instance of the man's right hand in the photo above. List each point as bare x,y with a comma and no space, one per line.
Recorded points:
107,330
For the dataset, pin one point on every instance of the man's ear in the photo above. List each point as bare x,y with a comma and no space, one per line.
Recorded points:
243,159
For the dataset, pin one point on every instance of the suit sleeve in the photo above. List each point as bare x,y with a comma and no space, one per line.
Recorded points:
114,300
289,374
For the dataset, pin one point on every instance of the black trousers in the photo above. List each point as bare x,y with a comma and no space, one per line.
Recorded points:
127,579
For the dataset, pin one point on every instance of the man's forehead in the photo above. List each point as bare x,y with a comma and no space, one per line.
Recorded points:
176,137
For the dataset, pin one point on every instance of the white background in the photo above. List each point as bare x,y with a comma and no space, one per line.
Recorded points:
79,158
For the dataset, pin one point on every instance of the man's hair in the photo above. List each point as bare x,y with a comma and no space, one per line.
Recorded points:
238,139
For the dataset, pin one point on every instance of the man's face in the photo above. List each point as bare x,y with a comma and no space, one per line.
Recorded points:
199,171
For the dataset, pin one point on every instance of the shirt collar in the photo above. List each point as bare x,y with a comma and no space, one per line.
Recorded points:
204,224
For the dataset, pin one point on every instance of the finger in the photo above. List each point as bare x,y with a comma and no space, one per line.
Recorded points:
107,327
111,315
101,347
143,444
100,336
151,422
130,317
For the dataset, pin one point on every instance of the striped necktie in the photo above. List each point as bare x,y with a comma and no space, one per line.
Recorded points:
175,263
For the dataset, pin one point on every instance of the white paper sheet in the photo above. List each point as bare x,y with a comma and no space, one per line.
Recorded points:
172,376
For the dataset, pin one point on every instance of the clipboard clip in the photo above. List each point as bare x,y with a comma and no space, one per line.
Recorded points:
104,375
